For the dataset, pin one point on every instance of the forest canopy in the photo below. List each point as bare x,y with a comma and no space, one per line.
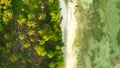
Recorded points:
30,34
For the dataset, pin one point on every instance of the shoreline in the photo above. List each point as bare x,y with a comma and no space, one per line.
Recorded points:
71,56
68,26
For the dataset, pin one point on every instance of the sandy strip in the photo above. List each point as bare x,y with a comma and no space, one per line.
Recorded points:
71,28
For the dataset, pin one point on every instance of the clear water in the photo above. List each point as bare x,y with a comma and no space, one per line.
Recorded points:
91,33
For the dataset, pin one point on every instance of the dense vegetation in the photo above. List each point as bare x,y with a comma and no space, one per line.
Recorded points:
30,35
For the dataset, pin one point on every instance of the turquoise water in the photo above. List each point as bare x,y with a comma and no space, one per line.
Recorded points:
96,43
